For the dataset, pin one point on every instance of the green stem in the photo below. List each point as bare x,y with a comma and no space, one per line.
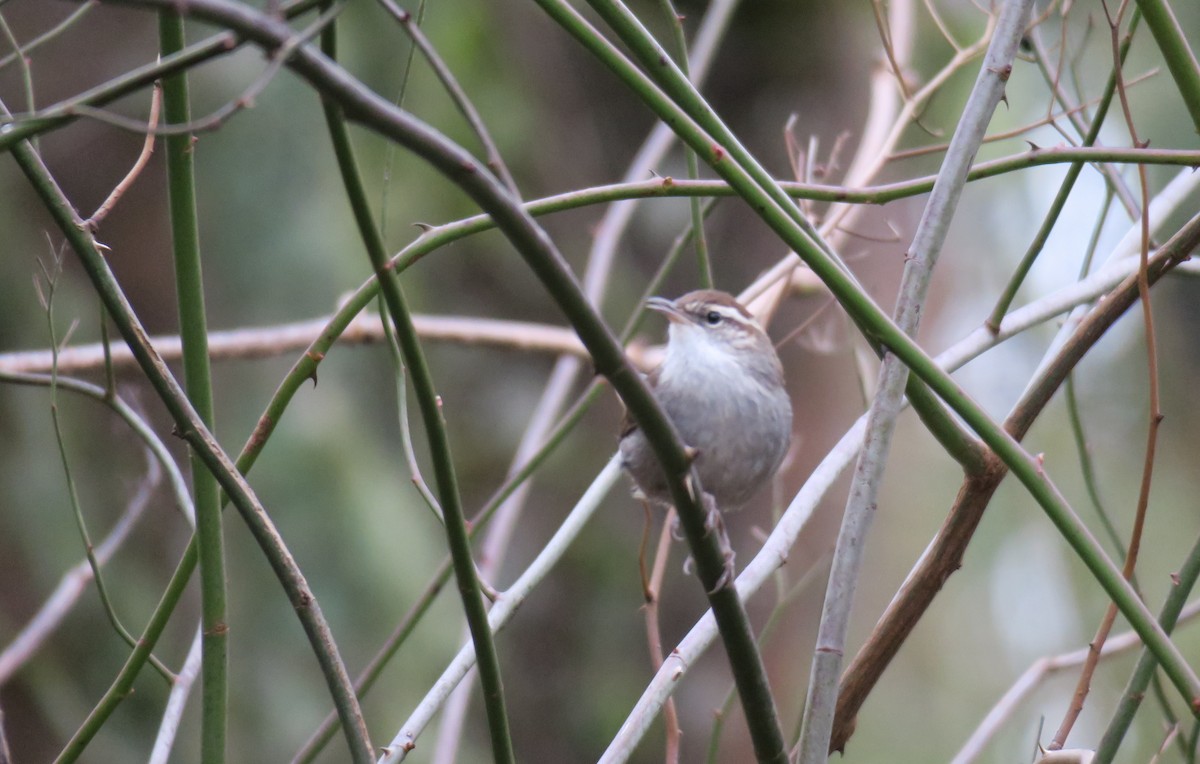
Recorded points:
1131,698
51,286
366,679
375,113
675,22
1181,61
193,333
193,431
1060,199
63,113
122,686
435,427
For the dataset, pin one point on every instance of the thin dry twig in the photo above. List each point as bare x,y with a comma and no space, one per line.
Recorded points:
941,26
1049,119
885,37
650,590
143,158
49,34
945,554
495,161
1035,675
1143,287
270,341
216,119
168,728
75,581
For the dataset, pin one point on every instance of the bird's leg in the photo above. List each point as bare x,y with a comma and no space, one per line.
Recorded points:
714,523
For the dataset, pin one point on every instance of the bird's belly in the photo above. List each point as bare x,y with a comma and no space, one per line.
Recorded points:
740,444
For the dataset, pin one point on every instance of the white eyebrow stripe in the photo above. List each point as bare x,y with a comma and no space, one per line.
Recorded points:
725,310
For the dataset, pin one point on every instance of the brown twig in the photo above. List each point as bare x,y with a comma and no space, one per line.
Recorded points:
217,118
1049,119
650,590
270,341
885,37
1037,673
143,158
942,27
1083,686
946,552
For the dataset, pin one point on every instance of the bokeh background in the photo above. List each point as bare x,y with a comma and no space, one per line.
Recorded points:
279,245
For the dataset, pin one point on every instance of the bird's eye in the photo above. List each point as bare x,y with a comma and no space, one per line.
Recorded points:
713,318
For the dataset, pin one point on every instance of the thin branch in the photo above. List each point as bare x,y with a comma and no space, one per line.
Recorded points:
503,610
271,341
49,34
73,583
703,261
164,741
117,87
819,710
1033,677
406,439
47,294
651,587
495,161
885,38
1077,121
147,151
1139,521
1016,132
1068,183
22,59
430,404
196,434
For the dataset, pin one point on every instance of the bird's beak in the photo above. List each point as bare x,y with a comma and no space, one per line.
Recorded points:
667,308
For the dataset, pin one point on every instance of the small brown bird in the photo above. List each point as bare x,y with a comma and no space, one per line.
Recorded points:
721,384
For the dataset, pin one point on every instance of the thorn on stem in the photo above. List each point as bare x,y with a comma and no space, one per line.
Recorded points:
1003,72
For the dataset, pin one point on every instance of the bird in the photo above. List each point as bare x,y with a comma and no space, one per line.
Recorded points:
721,384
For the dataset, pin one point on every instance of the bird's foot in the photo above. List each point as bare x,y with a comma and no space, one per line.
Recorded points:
714,523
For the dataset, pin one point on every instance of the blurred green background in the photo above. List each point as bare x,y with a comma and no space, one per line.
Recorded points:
279,245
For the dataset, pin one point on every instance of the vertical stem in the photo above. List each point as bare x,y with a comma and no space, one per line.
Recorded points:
820,707
693,166
193,331
1064,191
430,404
1181,61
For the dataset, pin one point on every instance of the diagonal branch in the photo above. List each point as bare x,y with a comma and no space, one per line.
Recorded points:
192,430
814,744
945,555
